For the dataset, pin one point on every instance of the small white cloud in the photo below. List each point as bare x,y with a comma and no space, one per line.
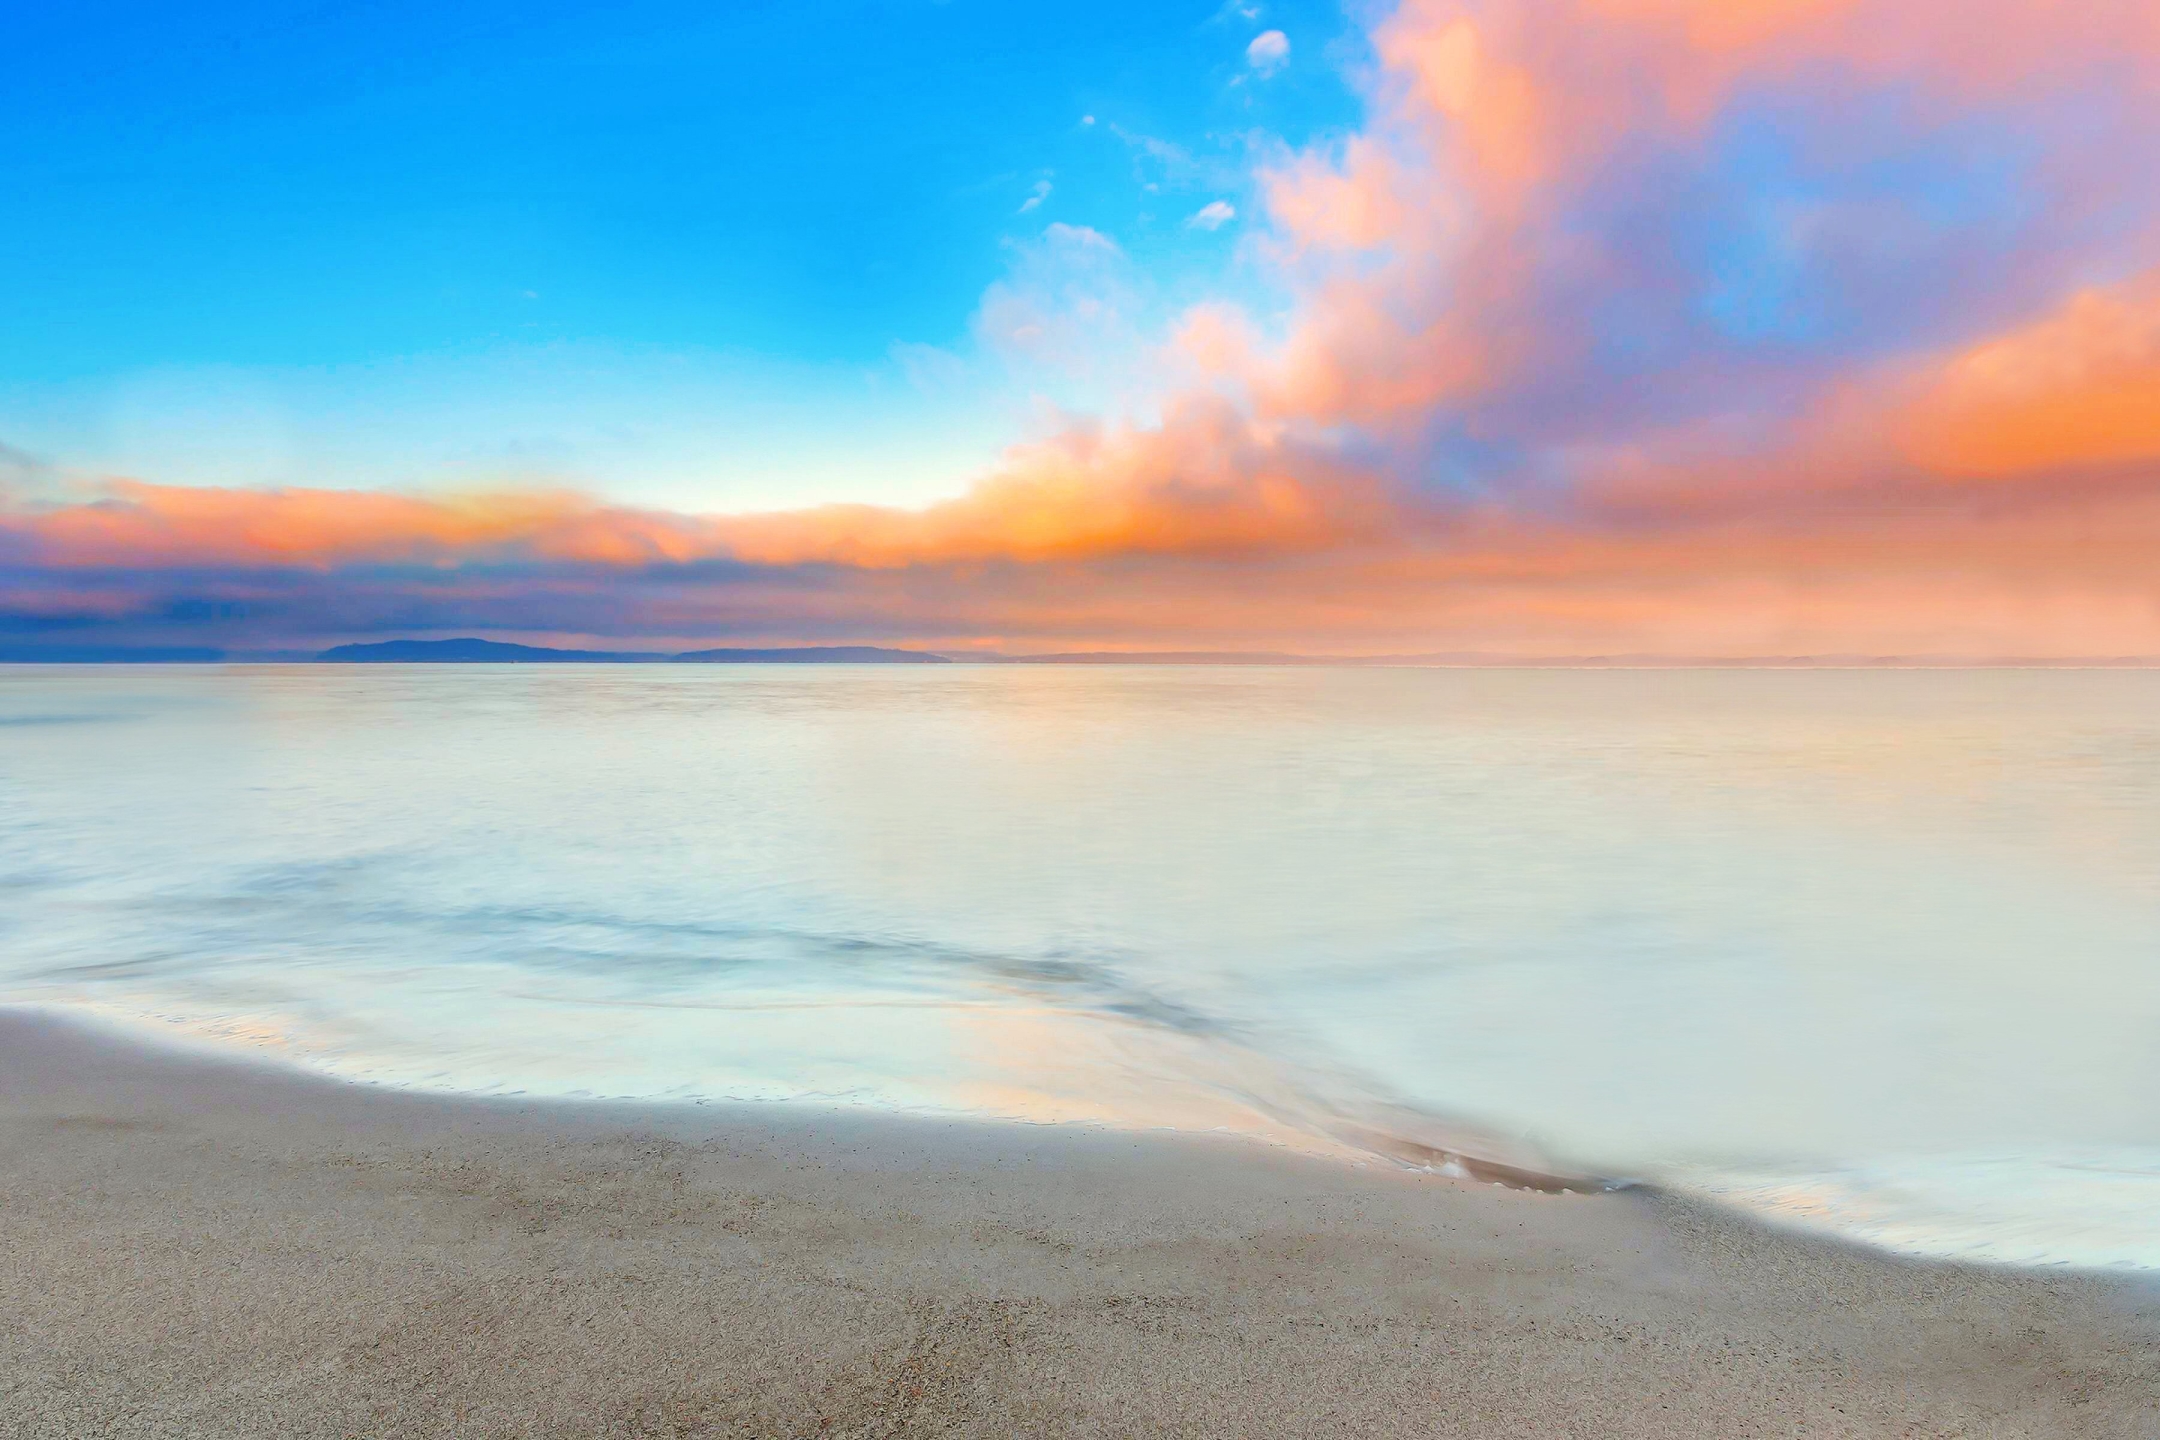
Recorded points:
1269,52
929,369
1213,215
1158,162
1087,119
1042,193
1079,239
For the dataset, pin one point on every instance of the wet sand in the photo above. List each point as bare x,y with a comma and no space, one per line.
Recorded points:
201,1247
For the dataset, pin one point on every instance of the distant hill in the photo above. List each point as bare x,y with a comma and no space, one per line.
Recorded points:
814,655
475,652
496,652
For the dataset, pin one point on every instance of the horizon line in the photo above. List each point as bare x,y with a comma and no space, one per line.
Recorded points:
507,652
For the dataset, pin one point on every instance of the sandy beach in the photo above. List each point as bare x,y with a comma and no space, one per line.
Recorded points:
196,1246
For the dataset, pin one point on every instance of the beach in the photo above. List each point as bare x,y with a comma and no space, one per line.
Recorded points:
192,1244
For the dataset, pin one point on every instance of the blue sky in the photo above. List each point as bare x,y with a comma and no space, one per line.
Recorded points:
683,254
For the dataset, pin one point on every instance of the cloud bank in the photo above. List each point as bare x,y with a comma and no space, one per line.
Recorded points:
1646,326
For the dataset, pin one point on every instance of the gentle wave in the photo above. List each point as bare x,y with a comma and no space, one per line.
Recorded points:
2085,1209
2089,1210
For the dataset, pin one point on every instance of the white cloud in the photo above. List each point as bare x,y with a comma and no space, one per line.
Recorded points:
1042,193
929,368
1213,215
1161,164
1079,239
1269,52
19,467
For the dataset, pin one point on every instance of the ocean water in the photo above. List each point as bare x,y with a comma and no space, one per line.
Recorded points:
1872,951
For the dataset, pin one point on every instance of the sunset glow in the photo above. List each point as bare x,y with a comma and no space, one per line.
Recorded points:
1616,326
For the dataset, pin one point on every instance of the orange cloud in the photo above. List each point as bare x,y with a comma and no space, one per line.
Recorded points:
1198,484
2078,388
1205,532
132,523
1201,483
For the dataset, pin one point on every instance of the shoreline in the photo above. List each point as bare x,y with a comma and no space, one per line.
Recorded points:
1408,1141
1390,1140
194,1244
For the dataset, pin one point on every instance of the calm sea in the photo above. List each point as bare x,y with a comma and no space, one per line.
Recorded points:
1876,951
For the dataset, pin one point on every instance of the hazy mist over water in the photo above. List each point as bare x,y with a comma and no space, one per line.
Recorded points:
1878,950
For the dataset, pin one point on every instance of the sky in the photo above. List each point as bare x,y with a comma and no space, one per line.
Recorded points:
1501,327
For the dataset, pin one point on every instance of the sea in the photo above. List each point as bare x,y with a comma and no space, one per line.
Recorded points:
1874,952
